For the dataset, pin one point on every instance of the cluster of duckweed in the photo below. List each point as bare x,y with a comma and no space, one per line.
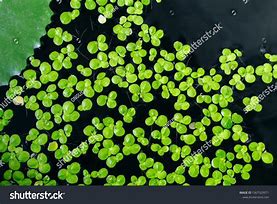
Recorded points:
5,117
136,80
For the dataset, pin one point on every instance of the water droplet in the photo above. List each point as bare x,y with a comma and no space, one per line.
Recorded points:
234,12
15,40
263,49
171,12
37,45
264,40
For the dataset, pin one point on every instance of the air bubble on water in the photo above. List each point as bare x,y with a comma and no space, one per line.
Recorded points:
234,12
15,40
102,19
171,12
18,101
192,126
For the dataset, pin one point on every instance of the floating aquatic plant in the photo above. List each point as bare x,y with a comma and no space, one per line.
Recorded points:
127,77
19,39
